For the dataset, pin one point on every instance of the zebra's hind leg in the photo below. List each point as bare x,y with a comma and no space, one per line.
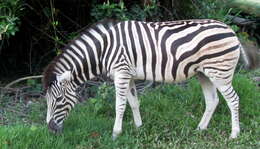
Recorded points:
225,87
121,81
232,100
211,100
134,104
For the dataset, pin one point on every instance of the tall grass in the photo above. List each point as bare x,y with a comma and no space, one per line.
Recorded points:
170,115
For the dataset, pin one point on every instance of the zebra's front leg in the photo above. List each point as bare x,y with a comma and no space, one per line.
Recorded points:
134,104
121,82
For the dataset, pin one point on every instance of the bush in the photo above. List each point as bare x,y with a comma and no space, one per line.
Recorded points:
10,11
119,11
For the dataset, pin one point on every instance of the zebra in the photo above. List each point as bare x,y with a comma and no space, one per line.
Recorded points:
125,51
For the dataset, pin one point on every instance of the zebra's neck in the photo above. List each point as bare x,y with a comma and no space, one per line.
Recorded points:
83,56
80,57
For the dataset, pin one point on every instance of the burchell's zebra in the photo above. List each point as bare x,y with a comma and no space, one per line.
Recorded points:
159,51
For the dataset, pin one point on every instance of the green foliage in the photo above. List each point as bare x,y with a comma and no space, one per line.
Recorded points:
251,7
107,10
10,11
221,10
36,112
21,111
170,114
212,9
119,11
34,84
150,12
104,100
106,92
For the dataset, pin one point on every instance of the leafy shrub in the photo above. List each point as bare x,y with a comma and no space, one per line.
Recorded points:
222,10
10,11
150,12
211,9
103,103
121,12
108,10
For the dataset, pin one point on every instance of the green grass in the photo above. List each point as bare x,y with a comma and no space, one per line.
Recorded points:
170,115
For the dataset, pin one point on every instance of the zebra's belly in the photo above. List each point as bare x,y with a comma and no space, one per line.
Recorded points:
168,77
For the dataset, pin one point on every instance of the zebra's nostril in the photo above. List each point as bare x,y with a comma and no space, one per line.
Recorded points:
54,127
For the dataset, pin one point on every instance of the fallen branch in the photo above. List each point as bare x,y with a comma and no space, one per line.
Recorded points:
9,89
240,21
21,79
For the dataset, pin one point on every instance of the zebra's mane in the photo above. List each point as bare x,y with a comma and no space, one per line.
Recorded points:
49,74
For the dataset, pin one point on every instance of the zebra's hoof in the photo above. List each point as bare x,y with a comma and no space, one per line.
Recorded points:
234,135
138,125
201,128
115,135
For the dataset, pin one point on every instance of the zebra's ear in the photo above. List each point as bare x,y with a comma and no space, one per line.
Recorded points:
66,76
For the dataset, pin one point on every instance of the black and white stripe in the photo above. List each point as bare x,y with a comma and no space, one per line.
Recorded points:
158,51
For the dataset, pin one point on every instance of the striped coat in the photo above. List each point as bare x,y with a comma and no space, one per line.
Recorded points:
158,51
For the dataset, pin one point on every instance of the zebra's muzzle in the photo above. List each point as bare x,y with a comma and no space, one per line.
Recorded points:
54,127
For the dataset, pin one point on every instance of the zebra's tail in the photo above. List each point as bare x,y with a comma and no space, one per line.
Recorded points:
250,55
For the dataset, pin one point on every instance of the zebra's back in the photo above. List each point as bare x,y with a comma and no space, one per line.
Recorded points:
176,50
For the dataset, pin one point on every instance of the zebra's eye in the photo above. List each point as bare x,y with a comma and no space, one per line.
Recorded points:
62,84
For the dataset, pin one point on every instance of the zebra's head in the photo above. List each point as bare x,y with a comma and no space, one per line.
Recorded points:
61,98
